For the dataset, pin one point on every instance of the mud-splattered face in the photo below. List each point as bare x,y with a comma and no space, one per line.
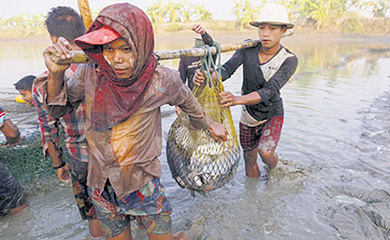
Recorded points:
120,57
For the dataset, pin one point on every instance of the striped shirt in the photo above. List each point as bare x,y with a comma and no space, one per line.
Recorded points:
2,117
72,124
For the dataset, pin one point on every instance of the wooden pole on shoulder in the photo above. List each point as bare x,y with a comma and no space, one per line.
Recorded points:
199,52
80,57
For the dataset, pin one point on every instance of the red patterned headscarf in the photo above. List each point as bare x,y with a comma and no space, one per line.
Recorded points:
117,99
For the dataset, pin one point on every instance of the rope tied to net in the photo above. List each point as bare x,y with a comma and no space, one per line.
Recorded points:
208,63
214,87
197,162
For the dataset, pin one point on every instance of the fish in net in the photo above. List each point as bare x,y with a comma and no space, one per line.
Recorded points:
197,161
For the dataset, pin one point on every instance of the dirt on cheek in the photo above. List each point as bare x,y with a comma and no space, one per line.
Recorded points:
107,60
132,62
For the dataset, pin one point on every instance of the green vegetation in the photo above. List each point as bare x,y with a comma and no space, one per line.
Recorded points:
27,164
245,12
334,15
23,25
318,13
178,11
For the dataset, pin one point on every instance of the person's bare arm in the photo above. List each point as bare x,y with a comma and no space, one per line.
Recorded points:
198,29
63,172
227,99
11,132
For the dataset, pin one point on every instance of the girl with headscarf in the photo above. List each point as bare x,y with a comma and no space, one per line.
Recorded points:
124,89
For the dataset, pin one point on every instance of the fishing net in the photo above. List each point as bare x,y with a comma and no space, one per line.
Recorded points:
27,164
198,162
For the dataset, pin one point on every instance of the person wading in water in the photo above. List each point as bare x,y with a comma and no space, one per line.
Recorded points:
123,119
267,68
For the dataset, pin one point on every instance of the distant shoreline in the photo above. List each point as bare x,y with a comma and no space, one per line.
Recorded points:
368,28
240,35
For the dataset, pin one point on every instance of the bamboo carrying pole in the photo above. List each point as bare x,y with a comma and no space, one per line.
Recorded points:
85,12
80,57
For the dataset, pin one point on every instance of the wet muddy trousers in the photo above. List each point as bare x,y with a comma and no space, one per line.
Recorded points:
11,191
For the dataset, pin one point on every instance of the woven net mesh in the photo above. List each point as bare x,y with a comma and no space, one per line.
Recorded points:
197,161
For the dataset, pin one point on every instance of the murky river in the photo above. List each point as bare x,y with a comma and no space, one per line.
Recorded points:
333,179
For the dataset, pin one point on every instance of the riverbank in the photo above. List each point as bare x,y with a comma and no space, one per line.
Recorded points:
299,35
354,27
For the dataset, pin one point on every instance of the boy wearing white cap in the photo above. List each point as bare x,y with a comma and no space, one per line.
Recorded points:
267,68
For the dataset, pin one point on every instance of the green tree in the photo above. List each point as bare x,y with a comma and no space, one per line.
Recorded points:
156,11
202,13
245,12
23,21
318,13
186,11
379,7
236,10
171,10
249,13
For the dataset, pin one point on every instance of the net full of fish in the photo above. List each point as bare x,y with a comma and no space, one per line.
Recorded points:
197,161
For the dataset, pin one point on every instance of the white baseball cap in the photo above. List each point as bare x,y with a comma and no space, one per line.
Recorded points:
272,13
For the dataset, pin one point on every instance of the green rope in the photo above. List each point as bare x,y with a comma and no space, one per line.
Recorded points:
208,64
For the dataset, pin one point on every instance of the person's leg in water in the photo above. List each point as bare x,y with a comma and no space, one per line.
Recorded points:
95,229
251,166
262,140
84,203
158,227
249,140
269,157
270,136
126,235
114,214
115,225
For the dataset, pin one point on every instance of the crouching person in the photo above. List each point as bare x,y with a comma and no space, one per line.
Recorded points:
123,92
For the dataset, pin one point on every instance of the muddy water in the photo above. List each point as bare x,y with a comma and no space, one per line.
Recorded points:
332,181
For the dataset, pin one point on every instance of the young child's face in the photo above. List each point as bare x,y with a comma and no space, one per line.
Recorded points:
270,35
120,57
27,96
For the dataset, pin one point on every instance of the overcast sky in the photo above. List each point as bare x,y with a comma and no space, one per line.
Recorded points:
220,8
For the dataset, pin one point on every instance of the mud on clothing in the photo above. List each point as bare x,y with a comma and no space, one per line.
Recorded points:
264,136
73,137
11,191
265,78
128,167
149,206
73,125
261,123
123,116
